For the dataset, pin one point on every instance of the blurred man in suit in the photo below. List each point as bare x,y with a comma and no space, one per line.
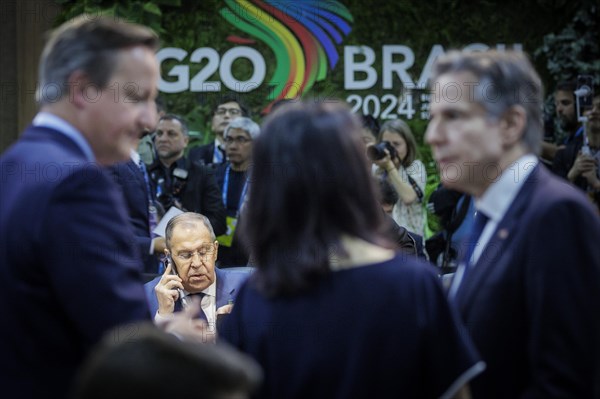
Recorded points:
133,179
67,264
68,269
529,287
192,250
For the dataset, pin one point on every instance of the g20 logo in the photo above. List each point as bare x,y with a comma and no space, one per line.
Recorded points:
223,64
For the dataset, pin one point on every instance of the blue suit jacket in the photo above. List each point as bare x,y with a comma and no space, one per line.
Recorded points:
68,269
532,301
130,179
228,285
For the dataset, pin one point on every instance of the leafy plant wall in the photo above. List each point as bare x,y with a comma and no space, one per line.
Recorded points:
560,35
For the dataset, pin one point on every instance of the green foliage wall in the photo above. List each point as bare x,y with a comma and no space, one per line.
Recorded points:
190,24
561,35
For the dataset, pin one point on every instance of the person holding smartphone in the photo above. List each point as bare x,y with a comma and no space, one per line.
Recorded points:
191,253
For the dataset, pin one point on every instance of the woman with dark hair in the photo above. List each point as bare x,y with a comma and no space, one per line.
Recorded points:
332,311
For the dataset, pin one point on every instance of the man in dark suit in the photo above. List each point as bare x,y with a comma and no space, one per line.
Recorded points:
529,287
192,250
133,179
67,264
178,182
226,109
68,270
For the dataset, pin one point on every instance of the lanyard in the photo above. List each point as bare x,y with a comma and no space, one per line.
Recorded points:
226,189
577,134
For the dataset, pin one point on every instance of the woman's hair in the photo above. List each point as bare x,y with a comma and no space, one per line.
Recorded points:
310,184
400,127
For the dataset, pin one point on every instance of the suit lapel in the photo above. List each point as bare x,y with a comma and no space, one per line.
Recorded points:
135,171
498,244
224,290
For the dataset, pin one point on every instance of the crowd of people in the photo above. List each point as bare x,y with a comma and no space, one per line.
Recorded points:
292,261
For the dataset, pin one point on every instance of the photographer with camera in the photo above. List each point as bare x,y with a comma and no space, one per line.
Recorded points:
396,158
180,183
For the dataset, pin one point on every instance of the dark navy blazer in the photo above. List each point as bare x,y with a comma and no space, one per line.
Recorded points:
532,301
130,179
68,269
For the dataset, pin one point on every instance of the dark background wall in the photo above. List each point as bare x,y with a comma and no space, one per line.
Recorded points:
22,27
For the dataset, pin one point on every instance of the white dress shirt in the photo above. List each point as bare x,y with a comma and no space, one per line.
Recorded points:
46,119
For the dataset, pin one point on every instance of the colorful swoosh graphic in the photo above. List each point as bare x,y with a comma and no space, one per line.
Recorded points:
302,35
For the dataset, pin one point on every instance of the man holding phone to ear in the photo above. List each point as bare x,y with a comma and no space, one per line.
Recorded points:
191,252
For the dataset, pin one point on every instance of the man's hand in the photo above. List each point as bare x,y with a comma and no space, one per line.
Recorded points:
591,176
582,165
187,326
225,309
166,291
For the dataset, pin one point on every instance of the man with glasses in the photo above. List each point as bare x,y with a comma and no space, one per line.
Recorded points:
227,109
232,178
191,252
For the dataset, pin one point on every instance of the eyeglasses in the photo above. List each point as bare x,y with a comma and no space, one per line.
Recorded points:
206,250
239,140
231,111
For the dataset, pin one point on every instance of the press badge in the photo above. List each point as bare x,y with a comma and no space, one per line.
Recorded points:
227,238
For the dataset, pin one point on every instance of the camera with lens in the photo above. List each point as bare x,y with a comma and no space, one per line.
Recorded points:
377,151
169,198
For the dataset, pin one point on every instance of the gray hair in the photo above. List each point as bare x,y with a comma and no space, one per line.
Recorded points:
245,124
90,44
505,79
188,219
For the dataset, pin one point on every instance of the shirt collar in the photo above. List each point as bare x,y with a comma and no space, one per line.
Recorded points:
497,198
48,120
135,157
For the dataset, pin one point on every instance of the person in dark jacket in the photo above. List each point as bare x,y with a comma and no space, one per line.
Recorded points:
177,182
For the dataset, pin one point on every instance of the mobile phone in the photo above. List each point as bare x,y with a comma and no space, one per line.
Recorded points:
184,301
585,150
585,91
170,262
